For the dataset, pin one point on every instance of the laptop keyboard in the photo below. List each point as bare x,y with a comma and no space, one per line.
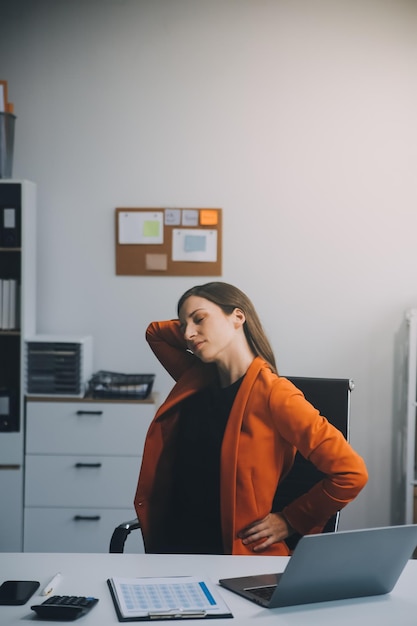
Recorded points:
262,592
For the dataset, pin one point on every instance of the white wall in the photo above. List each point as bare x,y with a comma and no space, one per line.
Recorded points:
297,117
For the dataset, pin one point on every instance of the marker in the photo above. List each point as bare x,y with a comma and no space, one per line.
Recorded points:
53,583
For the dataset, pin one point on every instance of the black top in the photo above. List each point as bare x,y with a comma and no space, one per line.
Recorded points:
193,520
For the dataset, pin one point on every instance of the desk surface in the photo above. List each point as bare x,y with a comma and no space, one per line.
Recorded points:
86,574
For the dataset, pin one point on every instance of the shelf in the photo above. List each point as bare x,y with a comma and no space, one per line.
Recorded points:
151,399
17,263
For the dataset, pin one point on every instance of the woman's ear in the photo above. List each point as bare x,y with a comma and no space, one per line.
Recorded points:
239,316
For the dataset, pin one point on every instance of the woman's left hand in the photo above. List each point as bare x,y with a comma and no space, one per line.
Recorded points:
271,529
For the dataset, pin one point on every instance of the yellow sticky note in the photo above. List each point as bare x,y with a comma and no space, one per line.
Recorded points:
151,228
208,217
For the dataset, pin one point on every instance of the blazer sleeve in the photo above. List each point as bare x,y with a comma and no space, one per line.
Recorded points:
167,343
301,424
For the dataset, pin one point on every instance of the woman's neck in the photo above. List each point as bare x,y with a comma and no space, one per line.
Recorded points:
236,367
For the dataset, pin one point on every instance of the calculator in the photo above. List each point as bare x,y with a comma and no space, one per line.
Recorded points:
65,608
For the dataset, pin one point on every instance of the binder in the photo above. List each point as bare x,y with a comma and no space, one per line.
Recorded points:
9,304
5,304
12,303
174,597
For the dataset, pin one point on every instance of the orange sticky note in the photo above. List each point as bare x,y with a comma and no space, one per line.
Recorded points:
208,217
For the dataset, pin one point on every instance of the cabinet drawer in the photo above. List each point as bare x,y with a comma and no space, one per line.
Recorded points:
81,481
11,508
87,428
59,530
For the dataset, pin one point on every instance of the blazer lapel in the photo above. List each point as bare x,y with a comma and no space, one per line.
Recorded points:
229,453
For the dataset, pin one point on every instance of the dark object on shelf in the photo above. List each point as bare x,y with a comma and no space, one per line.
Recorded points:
105,384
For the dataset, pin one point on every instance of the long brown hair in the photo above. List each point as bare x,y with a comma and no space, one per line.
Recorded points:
228,298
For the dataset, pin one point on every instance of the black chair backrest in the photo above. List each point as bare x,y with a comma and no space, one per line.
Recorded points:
331,396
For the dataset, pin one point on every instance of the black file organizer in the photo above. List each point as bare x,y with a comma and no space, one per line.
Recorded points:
113,385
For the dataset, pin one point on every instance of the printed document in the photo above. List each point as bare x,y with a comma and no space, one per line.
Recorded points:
177,596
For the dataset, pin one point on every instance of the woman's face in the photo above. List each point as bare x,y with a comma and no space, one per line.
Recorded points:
210,333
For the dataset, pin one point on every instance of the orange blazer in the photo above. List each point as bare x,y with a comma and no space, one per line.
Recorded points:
270,420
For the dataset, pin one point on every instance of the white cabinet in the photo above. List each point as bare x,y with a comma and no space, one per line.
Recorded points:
81,468
11,508
18,274
404,462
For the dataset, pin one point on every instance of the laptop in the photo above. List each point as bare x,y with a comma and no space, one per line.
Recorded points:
333,566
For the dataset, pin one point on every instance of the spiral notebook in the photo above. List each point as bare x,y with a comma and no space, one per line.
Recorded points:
174,597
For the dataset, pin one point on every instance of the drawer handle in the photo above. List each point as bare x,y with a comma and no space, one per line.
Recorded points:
87,518
88,465
89,413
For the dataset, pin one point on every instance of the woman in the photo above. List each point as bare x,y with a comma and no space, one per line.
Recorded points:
228,433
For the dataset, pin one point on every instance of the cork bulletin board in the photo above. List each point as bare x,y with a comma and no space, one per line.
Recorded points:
168,242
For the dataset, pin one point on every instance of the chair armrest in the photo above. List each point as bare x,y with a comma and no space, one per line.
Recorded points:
120,534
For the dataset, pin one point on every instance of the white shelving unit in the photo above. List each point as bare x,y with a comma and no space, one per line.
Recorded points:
410,444
17,262
404,448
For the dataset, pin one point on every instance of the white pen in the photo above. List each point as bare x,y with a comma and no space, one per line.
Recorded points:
50,587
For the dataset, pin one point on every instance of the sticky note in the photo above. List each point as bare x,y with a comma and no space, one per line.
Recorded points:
208,217
194,243
156,262
190,217
172,217
150,228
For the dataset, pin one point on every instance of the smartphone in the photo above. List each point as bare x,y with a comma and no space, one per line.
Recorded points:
17,591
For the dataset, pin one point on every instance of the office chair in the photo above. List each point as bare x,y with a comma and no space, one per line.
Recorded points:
331,396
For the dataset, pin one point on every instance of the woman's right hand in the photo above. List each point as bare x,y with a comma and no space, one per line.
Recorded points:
271,529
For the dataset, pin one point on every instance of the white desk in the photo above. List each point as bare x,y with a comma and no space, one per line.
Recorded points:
86,574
